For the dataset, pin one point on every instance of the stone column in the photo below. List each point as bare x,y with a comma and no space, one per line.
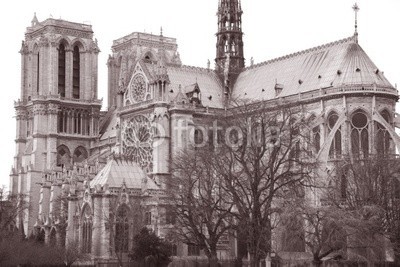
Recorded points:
98,225
161,145
105,235
70,231
44,201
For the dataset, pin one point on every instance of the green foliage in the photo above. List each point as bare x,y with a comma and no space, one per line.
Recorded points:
148,246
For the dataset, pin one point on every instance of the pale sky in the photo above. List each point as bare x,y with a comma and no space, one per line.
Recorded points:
272,28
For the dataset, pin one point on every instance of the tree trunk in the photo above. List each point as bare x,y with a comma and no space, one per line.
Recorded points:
316,263
213,261
397,256
254,260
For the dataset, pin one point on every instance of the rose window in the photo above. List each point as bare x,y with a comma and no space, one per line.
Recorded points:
137,141
138,88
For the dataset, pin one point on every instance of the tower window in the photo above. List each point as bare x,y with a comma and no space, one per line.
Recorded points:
37,73
61,122
80,154
63,156
61,70
28,128
76,73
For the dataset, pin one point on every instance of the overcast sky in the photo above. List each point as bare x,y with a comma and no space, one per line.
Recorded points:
272,28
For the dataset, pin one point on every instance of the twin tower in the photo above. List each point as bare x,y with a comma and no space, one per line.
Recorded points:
59,114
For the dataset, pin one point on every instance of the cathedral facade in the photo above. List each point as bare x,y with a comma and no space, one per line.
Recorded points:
93,177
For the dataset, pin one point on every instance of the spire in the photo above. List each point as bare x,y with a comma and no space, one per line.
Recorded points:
229,59
34,20
356,9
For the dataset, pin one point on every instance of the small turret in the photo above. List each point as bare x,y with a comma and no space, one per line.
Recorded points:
34,20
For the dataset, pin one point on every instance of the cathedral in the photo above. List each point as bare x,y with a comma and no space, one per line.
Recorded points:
77,164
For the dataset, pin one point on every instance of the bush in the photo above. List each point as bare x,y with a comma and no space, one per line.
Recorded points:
150,248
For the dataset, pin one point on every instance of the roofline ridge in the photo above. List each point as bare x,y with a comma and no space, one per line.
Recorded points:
196,68
211,72
301,52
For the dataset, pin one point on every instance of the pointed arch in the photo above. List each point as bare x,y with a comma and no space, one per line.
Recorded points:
314,125
149,56
382,135
63,156
80,43
87,228
65,41
336,145
61,68
121,239
53,236
80,154
41,235
76,70
359,133
324,152
36,67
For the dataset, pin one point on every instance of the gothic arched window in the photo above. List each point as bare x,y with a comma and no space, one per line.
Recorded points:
316,138
359,134
37,72
87,227
382,136
61,70
122,230
61,122
336,145
63,156
80,154
76,73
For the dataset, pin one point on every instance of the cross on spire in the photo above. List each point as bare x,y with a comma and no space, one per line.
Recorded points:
356,9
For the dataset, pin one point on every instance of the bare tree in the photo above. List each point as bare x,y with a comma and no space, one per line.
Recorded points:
12,208
263,153
329,231
201,207
372,184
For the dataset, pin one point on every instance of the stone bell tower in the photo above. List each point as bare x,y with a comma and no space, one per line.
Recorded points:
58,110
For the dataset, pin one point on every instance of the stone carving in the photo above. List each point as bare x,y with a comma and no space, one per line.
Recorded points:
137,89
24,48
94,46
43,41
137,141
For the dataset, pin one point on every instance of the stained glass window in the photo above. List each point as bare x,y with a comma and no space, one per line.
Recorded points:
137,141
359,134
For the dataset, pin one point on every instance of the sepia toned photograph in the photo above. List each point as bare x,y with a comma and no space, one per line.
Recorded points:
214,133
